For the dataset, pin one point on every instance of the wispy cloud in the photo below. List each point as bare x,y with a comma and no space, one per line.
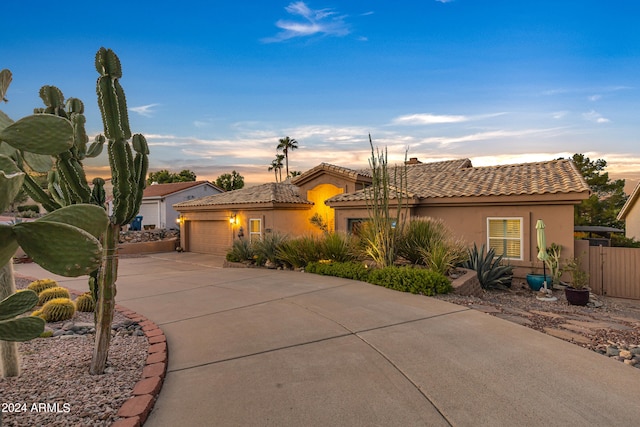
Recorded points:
444,1
309,22
428,119
594,98
144,110
435,119
595,117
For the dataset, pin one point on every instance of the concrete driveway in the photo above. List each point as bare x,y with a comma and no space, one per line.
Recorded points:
256,347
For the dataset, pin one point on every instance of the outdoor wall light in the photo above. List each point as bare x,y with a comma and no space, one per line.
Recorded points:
180,220
232,219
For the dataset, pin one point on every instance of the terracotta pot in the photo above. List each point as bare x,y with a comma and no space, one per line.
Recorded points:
577,296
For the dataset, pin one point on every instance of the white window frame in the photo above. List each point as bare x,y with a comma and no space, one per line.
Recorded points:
253,234
520,238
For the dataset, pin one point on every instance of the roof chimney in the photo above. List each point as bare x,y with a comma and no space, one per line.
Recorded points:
412,161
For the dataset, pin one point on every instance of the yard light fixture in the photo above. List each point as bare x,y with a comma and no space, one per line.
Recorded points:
232,219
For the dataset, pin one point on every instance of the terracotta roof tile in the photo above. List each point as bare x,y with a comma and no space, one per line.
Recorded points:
266,193
458,178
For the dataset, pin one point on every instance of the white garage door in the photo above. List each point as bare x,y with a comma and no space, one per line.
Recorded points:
209,237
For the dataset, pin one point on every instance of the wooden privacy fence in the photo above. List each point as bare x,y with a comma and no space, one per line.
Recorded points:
614,272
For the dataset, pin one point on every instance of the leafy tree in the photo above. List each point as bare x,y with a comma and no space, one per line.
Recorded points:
164,176
607,195
295,173
276,166
230,181
285,145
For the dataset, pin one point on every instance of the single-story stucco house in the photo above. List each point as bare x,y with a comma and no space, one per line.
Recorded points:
630,214
158,200
497,206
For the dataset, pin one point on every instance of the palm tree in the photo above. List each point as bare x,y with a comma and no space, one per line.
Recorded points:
276,166
285,144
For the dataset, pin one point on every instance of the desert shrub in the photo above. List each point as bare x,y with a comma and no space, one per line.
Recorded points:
444,255
299,252
338,247
346,270
266,249
409,279
240,251
491,273
419,235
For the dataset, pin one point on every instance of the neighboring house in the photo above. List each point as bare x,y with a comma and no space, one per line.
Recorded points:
497,206
630,214
157,201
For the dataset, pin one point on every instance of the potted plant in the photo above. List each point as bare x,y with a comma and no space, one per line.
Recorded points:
536,281
578,292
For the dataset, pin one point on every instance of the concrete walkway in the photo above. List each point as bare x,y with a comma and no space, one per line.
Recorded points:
256,347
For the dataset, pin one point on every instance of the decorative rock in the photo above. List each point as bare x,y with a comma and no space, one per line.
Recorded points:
630,362
612,351
625,354
635,351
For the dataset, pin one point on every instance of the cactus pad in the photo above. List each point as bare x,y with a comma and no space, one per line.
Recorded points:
40,134
59,248
23,328
58,309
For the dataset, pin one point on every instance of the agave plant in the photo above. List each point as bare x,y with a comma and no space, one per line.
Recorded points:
491,273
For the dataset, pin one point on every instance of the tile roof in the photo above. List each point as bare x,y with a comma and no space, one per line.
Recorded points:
266,193
327,167
458,178
159,190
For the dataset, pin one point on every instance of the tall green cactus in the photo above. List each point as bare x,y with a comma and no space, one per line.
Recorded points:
128,175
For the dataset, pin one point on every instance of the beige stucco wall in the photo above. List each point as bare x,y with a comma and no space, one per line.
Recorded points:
632,222
470,224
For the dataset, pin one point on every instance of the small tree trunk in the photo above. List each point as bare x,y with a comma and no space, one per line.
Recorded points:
105,306
9,360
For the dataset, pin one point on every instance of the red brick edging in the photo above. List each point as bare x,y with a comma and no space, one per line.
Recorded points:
135,410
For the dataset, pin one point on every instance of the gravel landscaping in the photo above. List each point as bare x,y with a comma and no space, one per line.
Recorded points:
55,387
609,326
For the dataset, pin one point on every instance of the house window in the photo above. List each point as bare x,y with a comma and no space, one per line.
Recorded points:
354,225
255,229
504,235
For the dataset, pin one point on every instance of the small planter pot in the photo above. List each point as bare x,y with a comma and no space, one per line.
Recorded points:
536,281
577,296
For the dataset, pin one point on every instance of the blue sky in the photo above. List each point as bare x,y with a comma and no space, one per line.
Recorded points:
214,85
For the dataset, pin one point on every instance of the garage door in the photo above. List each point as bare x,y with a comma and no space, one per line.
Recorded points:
208,237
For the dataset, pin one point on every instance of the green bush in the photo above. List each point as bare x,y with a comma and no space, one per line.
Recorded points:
444,255
298,252
266,249
409,279
240,251
346,270
419,235
338,247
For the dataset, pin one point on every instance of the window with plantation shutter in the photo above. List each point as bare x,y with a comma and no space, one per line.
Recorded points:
504,235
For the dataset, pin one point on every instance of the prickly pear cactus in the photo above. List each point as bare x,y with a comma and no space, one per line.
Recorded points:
13,328
58,309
